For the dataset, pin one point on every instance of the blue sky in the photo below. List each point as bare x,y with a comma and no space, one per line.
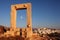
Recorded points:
45,13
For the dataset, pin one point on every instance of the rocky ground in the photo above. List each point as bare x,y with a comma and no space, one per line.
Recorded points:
52,36
49,37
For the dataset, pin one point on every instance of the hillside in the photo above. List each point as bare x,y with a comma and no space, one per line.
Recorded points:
40,36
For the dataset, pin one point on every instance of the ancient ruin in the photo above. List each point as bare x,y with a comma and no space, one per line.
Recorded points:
28,30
